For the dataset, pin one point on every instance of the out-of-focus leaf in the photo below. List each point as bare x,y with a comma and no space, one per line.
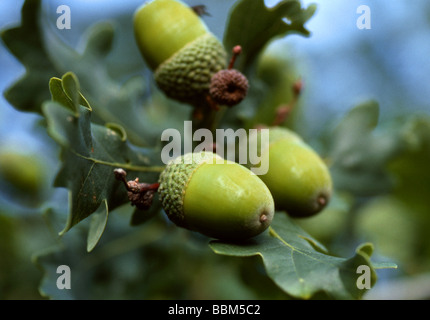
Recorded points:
8,251
89,154
111,100
141,216
358,155
293,263
26,44
137,264
391,227
252,25
45,55
411,167
412,185
332,221
272,91
49,262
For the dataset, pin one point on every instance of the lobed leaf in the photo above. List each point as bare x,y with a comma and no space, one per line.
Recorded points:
252,25
299,265
89,154
44,55
26,44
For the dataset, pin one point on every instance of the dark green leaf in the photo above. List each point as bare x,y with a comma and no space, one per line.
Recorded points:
410,168
252,25
90,153
293,263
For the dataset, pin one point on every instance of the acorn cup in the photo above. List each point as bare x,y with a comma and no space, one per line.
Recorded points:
297,177
184,55
219,198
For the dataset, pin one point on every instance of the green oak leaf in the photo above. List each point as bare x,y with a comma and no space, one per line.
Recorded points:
120,253
65,92
299,265
412,183
26,44
359,155
89,154
252,25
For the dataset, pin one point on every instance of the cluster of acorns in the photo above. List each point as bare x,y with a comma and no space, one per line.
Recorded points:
201,191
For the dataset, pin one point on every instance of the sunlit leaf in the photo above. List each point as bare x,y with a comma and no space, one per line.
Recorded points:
97,226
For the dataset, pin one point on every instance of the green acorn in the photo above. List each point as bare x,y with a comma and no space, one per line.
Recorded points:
297,177
182,52
22,173
216,197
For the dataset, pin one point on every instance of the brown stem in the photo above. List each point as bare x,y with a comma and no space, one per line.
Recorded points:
209,114
284,110
236,51
139,194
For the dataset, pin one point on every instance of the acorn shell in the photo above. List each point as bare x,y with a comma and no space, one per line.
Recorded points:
178,47
163,27
216,197
297,177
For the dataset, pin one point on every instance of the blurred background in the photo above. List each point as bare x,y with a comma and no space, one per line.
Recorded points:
340,65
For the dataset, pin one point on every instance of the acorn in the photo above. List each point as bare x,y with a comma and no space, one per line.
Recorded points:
183,54
23,174
297,177
219,198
